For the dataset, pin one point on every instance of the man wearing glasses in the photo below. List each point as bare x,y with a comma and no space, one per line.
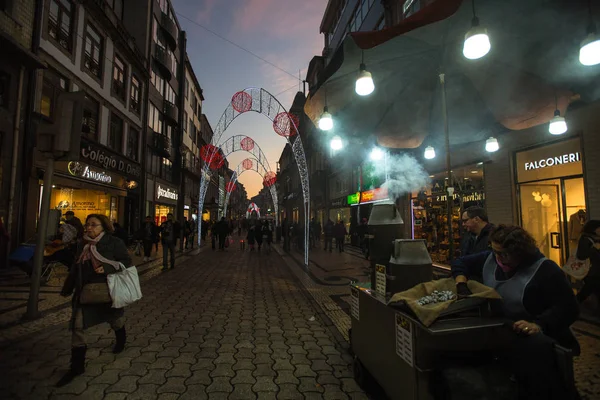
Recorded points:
475,222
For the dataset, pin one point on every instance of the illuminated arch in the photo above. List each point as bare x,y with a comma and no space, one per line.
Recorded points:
252,207
261,101
262,171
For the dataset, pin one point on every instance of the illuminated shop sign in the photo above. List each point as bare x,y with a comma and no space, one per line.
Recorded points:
97,155
85,171
354,199
552,161
374,195
164,193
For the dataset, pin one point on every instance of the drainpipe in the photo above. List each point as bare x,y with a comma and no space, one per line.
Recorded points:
15,158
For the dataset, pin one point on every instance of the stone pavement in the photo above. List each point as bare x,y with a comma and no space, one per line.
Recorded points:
14,289
222,325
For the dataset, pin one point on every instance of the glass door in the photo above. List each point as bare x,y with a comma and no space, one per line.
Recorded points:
575,211
542,216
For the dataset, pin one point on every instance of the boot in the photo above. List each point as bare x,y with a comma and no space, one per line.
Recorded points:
121,339
77,366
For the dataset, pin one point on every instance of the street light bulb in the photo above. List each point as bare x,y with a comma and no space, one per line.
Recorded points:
364,83
376,154
558,125
336,143
429,152
491,145
477,42
325,122
589,52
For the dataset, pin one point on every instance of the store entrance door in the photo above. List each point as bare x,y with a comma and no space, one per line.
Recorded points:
548,211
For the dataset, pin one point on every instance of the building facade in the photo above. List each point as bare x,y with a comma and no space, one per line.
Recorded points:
88,49
18,65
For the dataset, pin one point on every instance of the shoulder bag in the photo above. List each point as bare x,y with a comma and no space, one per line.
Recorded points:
124,286
577,268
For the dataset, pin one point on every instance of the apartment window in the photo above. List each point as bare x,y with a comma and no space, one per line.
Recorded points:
157,82
192,128
60,23
170,94
167,169
136,93
93,51
53,84
199,108
155,119
119,73
187,87
117,7
91,113
115,137
133,141
185,122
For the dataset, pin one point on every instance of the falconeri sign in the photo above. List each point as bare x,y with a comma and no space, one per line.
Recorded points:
553,161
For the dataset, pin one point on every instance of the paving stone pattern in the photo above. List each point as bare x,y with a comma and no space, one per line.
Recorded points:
223,325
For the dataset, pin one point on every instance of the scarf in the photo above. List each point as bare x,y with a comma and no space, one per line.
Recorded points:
91,253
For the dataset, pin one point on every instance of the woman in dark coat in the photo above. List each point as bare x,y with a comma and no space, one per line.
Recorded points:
588,248
99,254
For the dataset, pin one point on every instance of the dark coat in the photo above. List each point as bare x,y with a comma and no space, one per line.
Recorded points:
548,297
109,247
340,230
148,232
585,250
476,244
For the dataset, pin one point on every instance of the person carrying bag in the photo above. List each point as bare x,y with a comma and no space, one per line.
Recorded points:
588,252
103,267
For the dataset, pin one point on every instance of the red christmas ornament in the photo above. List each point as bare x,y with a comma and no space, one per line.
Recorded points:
212,155
230,186
247,163
247,143
270,178
241,102
285,124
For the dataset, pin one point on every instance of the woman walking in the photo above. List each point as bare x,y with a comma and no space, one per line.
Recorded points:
588,248
100,254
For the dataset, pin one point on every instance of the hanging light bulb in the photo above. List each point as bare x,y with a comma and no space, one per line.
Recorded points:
429,152
491,145
364,83
376,154
589,52
477,42
325,122
336,143
557,125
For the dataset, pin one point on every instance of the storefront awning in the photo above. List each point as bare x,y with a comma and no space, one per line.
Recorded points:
534,55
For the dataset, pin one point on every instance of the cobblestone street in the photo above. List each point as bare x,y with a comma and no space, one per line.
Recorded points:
221,325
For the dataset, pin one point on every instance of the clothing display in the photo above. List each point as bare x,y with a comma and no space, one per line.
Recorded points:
576,222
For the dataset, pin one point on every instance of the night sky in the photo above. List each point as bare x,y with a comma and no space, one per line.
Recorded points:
284,32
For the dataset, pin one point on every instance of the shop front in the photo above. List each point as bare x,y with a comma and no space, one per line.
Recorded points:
165,201
551,196
85,190
339,210
430,209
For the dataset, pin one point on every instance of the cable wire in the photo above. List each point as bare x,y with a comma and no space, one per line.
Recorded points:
236,45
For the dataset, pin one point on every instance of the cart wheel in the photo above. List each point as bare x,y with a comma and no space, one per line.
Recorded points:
361,375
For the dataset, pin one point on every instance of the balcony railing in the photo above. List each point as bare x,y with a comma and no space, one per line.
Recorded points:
162,61
171,112
170,31
161,144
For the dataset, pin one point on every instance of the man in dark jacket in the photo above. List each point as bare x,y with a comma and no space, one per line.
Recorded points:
71,219
340,235
148,234
169,232
478,228
222,229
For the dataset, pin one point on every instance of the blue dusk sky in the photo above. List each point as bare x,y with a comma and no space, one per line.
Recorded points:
284,32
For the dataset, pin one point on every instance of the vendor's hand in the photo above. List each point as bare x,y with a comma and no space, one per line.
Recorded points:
462,290
99,270
526,327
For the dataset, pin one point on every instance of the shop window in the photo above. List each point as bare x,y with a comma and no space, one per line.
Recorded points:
84,202
93,51
119,74
60,23
133,140
134,101
91,111
52,85
115,138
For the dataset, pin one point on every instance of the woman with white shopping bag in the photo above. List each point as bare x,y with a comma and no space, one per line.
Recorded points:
100,258
588,248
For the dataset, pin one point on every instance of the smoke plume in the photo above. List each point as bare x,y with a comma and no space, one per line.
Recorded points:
405,174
